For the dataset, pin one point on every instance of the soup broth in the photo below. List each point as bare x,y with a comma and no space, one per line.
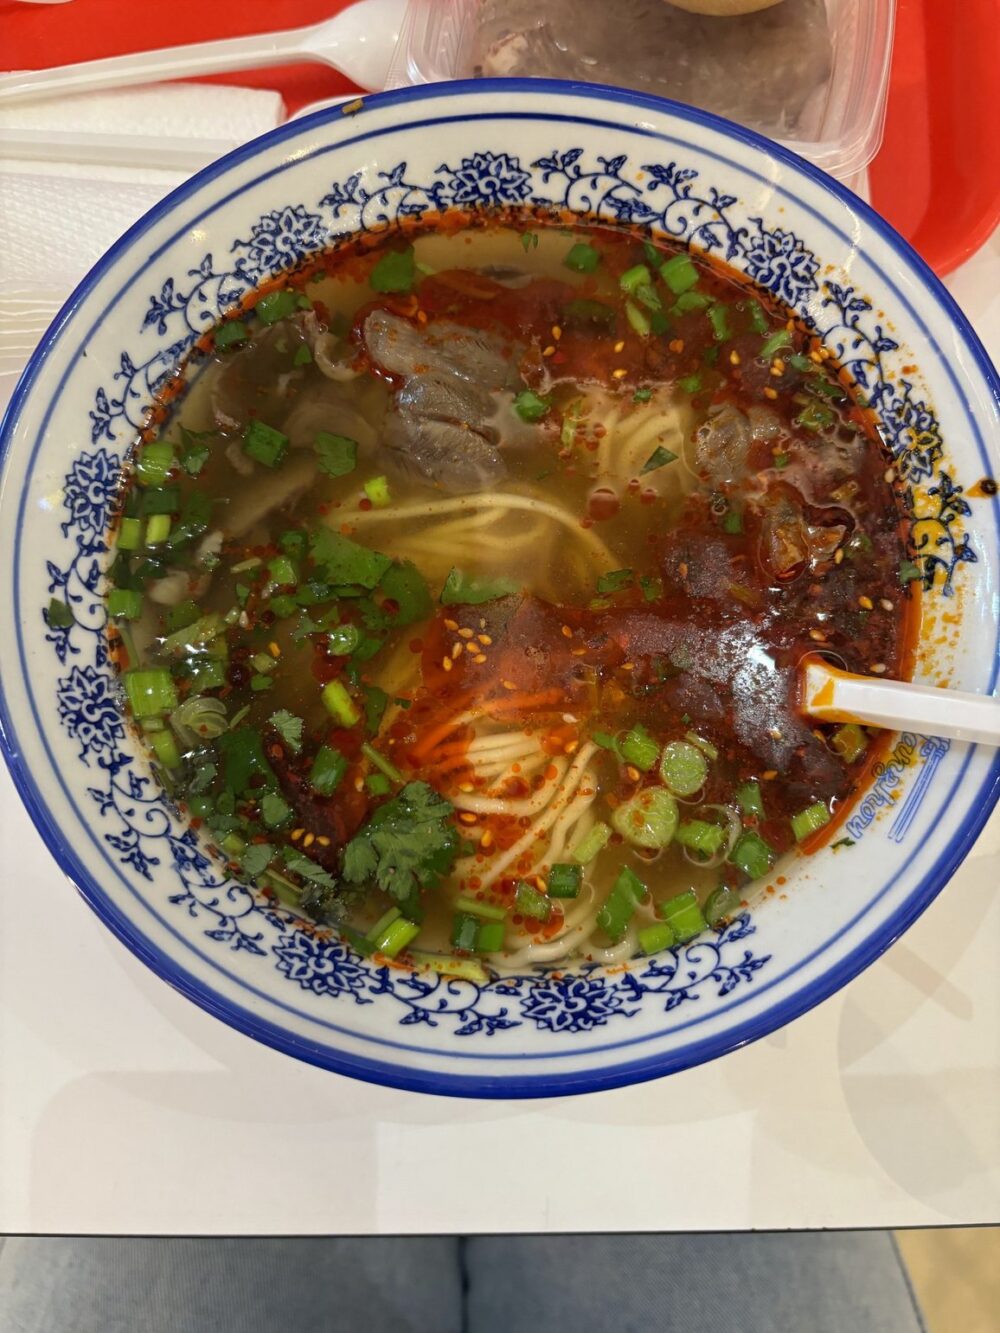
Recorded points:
461,593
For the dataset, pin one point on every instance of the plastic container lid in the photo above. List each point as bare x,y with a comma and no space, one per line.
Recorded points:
838,116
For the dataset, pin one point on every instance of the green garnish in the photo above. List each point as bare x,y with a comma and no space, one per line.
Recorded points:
289,728
228,335
909,572
679,273
615,579
341,561
461,588
377,491
529,241
775,343
627,892
394,272
154,462
584,311
684,916
809,820
637,747
752,855
748,798
339,704
718,317
303,356
582,258
327,770
264,444
658,458
691,383
564,880
404,585
589,846
530,407
255,858
276,305
274,810
59,614
642,395
648,819
336,455
408,844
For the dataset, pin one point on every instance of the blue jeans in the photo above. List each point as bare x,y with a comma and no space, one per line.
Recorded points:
840,1282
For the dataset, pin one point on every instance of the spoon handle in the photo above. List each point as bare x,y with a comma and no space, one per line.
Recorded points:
173,62
831,695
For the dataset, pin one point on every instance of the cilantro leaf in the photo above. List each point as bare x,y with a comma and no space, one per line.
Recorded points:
308,870
409,843
255,858
345,562
337,455
289,728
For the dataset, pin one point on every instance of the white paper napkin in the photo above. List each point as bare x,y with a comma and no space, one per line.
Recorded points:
57,219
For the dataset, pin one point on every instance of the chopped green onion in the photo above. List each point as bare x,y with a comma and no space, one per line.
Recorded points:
908,570
343,639
157,529
587,848
749,800
282,572
658,458
652,587
850,742
464,931
150,693
465,969
809,820
165,748
732,523
192,636
564,880
336,455
757,317
720,905
476,907
394,272
683,768
339,704
679,273
461,588
377,490
648,819
183,614
718,317
638,747
654,938
264,444
303,356
614,580
154,463
690,301
627,892
530,407
683,915
634,278
530,902
125,603
276,305
705,746
383,924
691,383
700,836
582,258
380,762
752,855
378,784
327,771
642,395
235,331
160,500
489,937
130,534
529,241
261,682
582,310
638,322
396,936
774,344
816,417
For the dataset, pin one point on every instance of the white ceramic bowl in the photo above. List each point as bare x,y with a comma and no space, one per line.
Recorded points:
594,151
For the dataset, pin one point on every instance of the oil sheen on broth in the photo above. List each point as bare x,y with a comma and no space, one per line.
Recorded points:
461,592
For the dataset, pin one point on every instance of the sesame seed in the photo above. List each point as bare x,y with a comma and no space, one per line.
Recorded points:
770,393
838,555
818,635
619,374
549,351
774,733
308,840
466,787
769,774
885,604
482,623
479,658
323,840
815,356
577,652
632,773
467,817
471,647
273,649
890,474
421,316
567,633
866,603
451,624
456,650
628,666
556,332
734,358
484,638
297,834
446,663
571,747
465,632
878,668
777,371
487,839
620,345
676,345
508,685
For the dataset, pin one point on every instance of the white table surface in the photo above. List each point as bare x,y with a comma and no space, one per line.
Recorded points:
126,1109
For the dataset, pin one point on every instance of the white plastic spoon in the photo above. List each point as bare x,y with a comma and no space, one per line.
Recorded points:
359,41
832,695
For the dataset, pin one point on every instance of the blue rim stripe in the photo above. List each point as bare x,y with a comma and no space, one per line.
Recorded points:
545,1084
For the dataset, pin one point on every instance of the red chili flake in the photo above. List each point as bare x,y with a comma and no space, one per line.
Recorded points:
365,504
416,645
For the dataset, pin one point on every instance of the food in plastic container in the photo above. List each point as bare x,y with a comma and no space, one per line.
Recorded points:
812,73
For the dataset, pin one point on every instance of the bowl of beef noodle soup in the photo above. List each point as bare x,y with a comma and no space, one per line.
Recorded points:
414,530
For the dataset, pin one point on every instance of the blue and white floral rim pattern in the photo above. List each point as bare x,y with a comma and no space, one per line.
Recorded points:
500,157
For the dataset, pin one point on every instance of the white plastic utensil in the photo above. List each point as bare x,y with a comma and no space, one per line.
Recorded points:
359,41
832,695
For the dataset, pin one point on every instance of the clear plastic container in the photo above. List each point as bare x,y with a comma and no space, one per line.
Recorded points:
837,119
